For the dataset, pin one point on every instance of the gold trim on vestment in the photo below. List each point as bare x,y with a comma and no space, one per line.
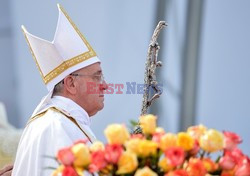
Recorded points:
66,115
68,63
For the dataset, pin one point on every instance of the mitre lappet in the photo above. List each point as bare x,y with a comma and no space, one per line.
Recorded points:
69,51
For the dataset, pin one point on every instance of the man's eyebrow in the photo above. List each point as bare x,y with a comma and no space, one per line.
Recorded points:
98,72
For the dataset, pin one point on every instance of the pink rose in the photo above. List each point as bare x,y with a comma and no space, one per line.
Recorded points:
66,156
243,170
235,153
195,149
175,156
227,162
113,153
69,171
231,140
244,160
157,137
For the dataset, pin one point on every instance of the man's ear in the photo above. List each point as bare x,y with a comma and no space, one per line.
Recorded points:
70,84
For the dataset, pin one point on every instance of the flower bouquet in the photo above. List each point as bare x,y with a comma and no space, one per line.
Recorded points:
156,152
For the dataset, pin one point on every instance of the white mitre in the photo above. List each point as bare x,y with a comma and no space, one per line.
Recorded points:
68,52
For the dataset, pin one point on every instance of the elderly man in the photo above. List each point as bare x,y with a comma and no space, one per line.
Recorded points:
67,65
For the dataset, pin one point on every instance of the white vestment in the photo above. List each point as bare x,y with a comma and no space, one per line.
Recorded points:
51,130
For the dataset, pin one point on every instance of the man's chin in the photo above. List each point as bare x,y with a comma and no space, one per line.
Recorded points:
99,109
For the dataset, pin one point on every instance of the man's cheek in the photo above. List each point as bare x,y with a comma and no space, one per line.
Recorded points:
91,88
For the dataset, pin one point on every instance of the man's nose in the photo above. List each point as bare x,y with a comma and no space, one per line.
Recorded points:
104,85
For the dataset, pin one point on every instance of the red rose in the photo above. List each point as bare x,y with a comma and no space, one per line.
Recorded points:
69,171
175,156
113,153
98,161
231,140
66,156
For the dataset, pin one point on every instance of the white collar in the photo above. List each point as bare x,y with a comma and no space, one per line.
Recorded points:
74,110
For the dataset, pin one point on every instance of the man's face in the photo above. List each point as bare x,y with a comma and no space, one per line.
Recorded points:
86,78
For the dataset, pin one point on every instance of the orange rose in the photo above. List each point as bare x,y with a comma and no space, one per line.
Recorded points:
195,167
179,172
227,173
209,164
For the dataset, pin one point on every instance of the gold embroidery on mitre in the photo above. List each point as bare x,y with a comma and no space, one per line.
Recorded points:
32,53
68,63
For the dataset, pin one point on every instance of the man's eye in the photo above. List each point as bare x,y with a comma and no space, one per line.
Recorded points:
98,77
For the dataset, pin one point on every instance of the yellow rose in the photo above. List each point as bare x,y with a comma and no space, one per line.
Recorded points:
185,141
127,163
168,140
197,131
82,155
146,171
148,123
147,148
97,145
79,171
58,170
212,141
132,145
116,134
163,164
